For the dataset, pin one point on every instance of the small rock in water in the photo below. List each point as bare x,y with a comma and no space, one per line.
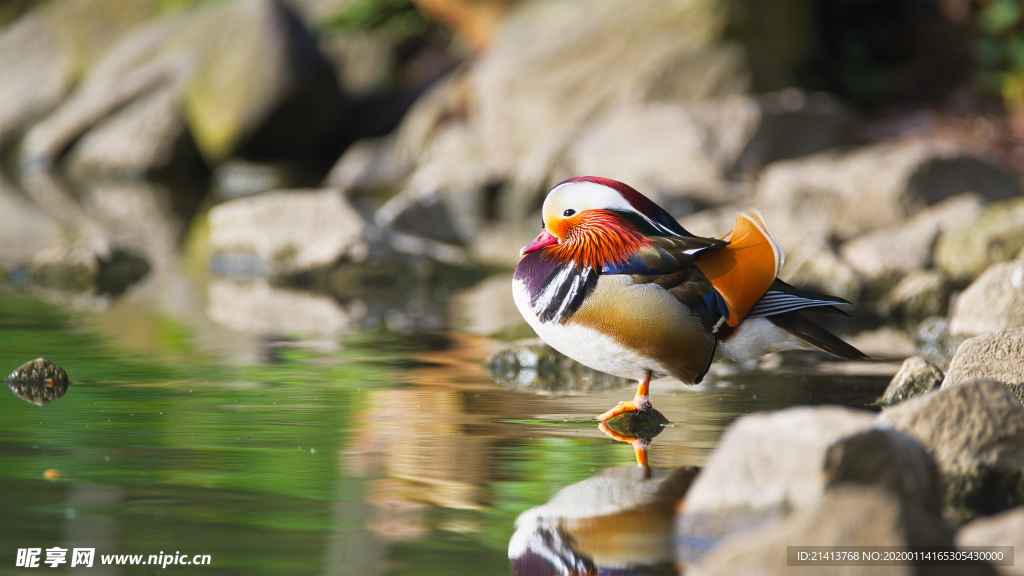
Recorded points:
39,381
915,377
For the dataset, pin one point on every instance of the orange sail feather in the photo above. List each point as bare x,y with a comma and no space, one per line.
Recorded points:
744,270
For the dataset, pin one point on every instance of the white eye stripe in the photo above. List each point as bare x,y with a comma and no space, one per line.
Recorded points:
592,196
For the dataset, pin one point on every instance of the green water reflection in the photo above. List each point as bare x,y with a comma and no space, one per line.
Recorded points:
391,456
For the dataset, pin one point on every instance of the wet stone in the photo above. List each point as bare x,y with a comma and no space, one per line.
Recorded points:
915,377
38,381
644,424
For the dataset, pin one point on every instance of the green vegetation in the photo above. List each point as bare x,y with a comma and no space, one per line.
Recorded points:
999,50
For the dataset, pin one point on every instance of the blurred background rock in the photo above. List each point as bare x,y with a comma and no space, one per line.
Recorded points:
142,141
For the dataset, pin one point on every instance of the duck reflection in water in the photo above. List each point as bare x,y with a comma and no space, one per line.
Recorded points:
616,523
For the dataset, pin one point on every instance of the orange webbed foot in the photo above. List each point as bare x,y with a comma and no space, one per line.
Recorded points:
622,408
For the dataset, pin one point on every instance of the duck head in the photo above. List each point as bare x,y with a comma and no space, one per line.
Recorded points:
595,221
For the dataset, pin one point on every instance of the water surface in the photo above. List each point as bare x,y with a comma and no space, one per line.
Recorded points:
378,454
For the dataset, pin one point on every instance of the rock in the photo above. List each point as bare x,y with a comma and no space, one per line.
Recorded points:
38,381
39,370
369,164
100,269
815,265
363,61
263,309
486,308
843,195
560,64
239,178
993,302
245,77
1003,529
657,147
443,199
917,376
846,516
975,432
772,460
884,342
746,133
918,295
886,458
146,136
994,235
999,356
933,341
533,364
287,231
47,51
872,254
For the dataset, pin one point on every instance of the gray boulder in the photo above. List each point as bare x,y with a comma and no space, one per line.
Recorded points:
560,64
999,356
672,148
919,295
844,195
996,234
917,376
267,90
47,51
369,165
285,231
146,136
993,302
975,432
773,460
907,246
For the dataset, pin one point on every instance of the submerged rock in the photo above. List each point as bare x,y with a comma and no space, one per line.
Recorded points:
533,364
38,381
993,302
999,356
975,432
917,376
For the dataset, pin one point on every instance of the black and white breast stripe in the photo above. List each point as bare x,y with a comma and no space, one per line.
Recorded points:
776,302
563,293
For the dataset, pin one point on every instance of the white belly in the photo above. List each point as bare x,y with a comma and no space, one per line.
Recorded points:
585,345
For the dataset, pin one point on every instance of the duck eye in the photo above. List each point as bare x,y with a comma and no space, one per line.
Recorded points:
568,212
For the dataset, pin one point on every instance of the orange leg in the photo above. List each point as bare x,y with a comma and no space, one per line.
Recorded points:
641,401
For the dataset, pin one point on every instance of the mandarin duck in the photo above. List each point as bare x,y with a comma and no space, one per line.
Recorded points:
615,283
